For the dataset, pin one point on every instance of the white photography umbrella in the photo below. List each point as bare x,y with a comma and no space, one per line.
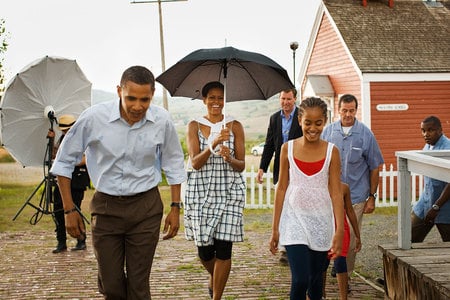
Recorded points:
34,98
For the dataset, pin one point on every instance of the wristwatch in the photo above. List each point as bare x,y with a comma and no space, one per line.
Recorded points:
176,204
435,207
374,195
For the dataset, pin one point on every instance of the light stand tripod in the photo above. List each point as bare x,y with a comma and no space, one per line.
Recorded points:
44,206
45,203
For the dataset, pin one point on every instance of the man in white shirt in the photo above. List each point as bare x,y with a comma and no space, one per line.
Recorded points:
127,144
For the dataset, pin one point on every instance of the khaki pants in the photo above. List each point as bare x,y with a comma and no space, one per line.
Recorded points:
125,232
351,255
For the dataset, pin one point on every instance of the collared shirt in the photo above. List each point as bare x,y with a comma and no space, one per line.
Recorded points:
359,153
122,160
433,189
286,125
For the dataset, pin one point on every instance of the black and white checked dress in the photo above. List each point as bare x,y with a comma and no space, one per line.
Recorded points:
214,200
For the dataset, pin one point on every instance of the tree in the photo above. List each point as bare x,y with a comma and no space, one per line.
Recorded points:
3,47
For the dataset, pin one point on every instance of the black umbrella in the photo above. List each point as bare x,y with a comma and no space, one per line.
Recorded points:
245,75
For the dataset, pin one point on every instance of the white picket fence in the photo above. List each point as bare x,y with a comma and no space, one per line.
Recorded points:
261,194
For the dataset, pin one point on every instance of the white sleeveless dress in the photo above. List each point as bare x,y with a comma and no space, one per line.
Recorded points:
307,216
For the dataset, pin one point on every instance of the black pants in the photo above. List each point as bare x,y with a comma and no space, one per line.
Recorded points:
58,210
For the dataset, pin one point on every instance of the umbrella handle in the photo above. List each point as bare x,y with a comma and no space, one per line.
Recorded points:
213,151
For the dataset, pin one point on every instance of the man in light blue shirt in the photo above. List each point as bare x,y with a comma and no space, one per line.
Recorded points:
361,159
127,144
433,206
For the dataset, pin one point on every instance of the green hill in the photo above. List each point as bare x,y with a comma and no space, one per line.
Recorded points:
253,114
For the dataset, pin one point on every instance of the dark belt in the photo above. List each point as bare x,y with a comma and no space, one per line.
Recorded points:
129,196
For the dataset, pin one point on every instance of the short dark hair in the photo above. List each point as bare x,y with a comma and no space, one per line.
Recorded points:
211,85
433,119
348,98
293,90
139,75
313,102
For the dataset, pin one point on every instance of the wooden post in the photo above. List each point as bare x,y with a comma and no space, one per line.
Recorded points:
404,204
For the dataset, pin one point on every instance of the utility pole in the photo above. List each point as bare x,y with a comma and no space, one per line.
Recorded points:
161,41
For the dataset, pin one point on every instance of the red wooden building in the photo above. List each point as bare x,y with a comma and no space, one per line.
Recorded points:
394,56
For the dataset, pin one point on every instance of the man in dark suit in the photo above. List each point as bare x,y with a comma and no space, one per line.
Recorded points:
283,126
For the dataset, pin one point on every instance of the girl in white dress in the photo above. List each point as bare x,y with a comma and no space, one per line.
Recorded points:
307,200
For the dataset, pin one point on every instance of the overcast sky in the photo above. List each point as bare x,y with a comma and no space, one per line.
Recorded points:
107,36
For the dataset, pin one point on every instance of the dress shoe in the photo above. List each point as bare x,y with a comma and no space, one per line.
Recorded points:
283,258
210,292
380,281
60,248
81,245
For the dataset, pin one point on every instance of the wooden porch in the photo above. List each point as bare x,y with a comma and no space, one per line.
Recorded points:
421,270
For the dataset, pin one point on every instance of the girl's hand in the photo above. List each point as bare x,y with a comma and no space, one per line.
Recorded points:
336,246
358,244
273,244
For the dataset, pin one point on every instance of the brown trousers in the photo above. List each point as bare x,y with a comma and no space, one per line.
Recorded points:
125,232
420,229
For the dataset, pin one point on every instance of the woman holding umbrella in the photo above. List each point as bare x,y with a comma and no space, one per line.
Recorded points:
215,193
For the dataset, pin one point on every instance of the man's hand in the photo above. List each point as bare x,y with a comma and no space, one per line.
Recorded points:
431,215
358,244
172,223
73,219
74,224
259,176
50,134
370,205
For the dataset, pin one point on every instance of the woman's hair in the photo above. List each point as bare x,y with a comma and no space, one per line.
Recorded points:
139,75
211,85
313,102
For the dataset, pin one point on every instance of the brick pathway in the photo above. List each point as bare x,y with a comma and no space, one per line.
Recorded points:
31,271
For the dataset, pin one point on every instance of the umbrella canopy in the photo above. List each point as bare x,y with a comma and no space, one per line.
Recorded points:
245,75
41,92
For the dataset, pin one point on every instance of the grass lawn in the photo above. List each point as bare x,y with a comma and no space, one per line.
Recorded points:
13,197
